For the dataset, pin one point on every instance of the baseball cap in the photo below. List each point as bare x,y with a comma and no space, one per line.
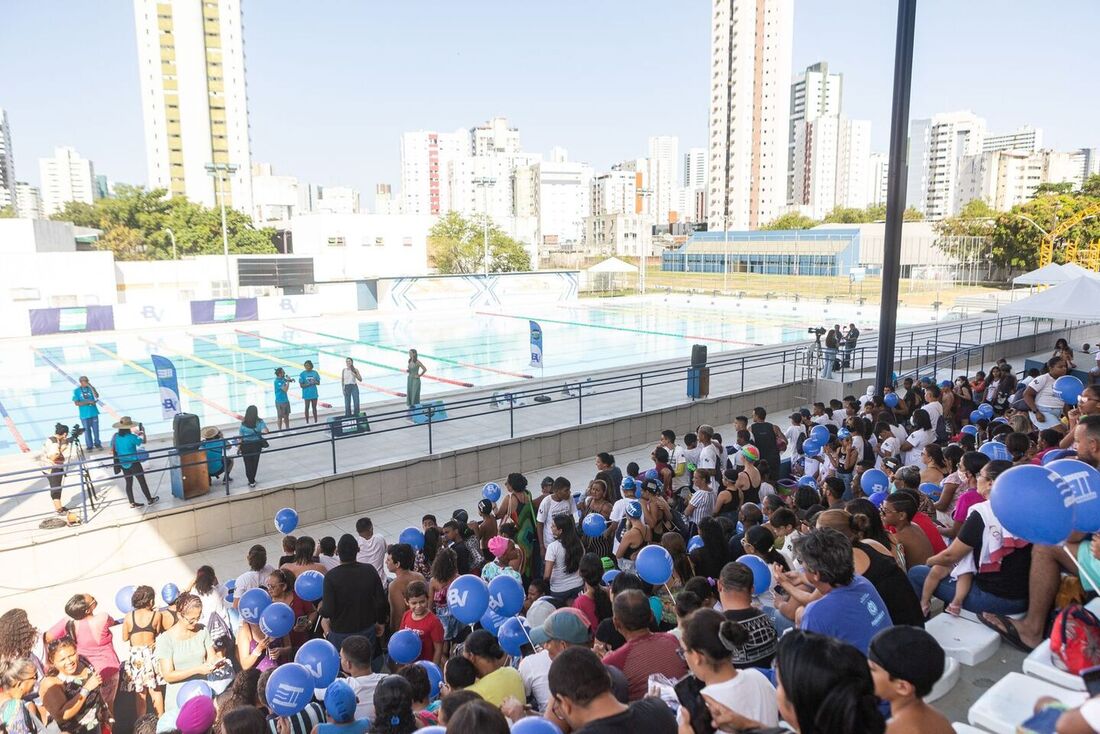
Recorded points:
634,509
340,702
196,716
567,625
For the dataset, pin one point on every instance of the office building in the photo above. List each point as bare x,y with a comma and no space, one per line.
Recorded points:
749,111
28,201
7,163
426,156
1027,138
936,148
814,93
193,98
65,177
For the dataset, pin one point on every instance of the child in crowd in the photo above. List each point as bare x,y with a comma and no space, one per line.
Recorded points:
420,619
905,663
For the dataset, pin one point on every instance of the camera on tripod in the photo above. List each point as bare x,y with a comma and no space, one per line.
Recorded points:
817,331
76,432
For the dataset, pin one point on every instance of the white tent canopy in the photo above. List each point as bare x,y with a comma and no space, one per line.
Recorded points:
1073,270
1049,274
1074,300
613,265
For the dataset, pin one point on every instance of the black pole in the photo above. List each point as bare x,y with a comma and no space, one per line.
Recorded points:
895,192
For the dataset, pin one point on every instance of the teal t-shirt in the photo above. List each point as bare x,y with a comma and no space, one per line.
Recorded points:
280,390
309,380
214,449
86,411
126,447
253,434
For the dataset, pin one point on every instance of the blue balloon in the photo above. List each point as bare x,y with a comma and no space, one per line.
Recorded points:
512,635
971,430
468,598
1034,503
761,574
491,492
654,564
310,586
289,689
807,481
891,400
877,498
122,599
976,415
986,410
594,525
1084,482
843,433
811,447
404,646
286,520
169,592
506,595
435,676
996,451
193,689
820,434
534,725
695,542
609,576
1068,388
321,659
931,489
1056,454
412,536
740,527
874,480
492,621
277,620
999,419
253,604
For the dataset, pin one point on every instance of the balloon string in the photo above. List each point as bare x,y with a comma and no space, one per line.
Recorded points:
1080,570
670,596
523,627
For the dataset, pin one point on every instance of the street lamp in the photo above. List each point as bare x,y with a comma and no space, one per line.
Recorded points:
483,182
219,171
172,236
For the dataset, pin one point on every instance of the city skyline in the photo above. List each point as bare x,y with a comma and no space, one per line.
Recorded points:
304,126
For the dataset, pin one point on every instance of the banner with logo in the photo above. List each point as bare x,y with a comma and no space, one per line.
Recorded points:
536,344
169,386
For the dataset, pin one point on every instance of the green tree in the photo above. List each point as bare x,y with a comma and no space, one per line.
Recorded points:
7,212
846,215
792,220
876,213
79,213
456,245
1053,189
912,215
126,243
1017,236
1091,186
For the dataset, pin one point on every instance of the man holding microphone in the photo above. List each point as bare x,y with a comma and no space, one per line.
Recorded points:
84,398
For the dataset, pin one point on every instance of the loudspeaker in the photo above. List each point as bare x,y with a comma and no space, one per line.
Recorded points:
698,355
185,431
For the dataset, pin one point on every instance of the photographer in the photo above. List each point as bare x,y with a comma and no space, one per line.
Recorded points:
851,336
832,344
124,446
84,398
52,460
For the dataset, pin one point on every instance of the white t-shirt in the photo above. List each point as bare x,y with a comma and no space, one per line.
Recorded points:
560,579
329,562
750,694
373,551
548,509
918,439
821,420
347,377
900,432
934,409
618,514
1043,385
889,448
675,456
251,580
691,456
214,603
708,459
811,468
791,434
857,448
364,694
534,670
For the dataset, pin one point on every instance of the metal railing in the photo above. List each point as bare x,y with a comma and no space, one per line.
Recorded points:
926,345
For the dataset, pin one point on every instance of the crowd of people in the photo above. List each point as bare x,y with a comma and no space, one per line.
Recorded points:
783,576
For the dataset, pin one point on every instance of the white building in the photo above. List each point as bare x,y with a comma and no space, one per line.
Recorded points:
494,137
831,156
66,177
28,201
426,156
337,200
616,193
193,98
384,203
878,177
275,199
1004,178
482,185
663,157
814,93
695,168
556,194
7,163
1086,163
749,111
355,246
1026,138
936,148
619,234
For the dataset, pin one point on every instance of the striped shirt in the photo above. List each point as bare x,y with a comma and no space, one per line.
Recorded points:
301,722
653,652
702,504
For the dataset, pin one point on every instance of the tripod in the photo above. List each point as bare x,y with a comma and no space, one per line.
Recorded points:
85,475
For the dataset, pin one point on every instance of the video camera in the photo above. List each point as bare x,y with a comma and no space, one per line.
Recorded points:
817,331
77,432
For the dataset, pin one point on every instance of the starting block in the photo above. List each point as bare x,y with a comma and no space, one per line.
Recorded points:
1011,700
971,643
1040,664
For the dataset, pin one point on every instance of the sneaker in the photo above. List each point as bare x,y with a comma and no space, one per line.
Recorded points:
154,500
251,484
99,446
135,505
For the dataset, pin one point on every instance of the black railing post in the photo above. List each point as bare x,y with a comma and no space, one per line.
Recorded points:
580,403
641,392
225,466
332,440
429,411
511,415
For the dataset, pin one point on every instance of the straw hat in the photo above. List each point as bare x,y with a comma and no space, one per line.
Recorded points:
126,422
210,432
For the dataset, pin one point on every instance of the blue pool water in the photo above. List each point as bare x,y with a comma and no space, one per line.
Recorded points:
231,366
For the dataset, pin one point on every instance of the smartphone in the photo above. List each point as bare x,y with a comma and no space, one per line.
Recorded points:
1091,679
689,692
1044,722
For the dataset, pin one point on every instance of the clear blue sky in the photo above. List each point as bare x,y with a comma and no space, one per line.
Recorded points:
333,84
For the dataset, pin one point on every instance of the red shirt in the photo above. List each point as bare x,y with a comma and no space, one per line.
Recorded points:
429,630
654,652
928,527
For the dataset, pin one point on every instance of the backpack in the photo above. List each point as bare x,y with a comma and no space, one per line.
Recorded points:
1075,639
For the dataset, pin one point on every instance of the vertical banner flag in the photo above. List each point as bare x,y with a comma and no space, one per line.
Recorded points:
169,386
536,344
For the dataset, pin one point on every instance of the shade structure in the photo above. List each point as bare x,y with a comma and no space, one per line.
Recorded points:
1073,270
1049,274
1074,300
613,265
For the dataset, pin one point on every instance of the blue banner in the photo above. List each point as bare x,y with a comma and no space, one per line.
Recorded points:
536,344
169,386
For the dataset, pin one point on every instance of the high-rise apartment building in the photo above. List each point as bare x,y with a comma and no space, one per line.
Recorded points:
337,200
66,177
384,203
814,93
1027,138
878,177
494,137
28,201
7,163
695,168
1004,178
831,154
556,194
1086,163
426,156
663,156
193,98
936,148
275,199
749,111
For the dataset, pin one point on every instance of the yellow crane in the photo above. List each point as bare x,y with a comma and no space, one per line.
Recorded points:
1088,258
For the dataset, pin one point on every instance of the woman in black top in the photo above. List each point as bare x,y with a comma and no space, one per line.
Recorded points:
709,560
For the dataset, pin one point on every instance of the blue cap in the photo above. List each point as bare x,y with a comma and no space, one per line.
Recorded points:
946,383
634,509
340,702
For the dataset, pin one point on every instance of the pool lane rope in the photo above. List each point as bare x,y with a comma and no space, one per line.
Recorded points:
99,401
543,320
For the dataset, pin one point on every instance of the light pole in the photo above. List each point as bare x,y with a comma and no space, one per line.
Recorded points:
172,236
483,182
219,171
646,194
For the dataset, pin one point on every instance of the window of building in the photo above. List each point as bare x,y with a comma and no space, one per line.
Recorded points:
336,241
407,241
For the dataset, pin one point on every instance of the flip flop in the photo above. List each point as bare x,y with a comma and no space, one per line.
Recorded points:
1008,634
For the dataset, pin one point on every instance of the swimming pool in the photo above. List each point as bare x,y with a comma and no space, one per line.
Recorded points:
223,369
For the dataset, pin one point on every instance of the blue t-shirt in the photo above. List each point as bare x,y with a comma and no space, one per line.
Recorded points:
359,726
280,390
126,447
253,434
853,613
86,411
308,379
214,448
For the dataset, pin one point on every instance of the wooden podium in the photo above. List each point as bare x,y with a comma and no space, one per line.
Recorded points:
190,477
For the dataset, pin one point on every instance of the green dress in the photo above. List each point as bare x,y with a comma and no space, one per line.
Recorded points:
412,385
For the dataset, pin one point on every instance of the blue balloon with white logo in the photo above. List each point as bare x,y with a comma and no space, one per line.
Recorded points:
891,400
986,410
654,564
534,725
286,520
1034,503
491,492
820,434
594,525
1000,419
253,603
506,595
609,576
321,659
122,599
277,620
289,689
1068,388
695,542
512,635
412,536
996,451
976,415
468,598
811,447
435,676
969,430
931,489
1084,482
843,433
877,499
491,621
193,689
874,480
1056,454
761,574
169,592
404,646
807,481
310,586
